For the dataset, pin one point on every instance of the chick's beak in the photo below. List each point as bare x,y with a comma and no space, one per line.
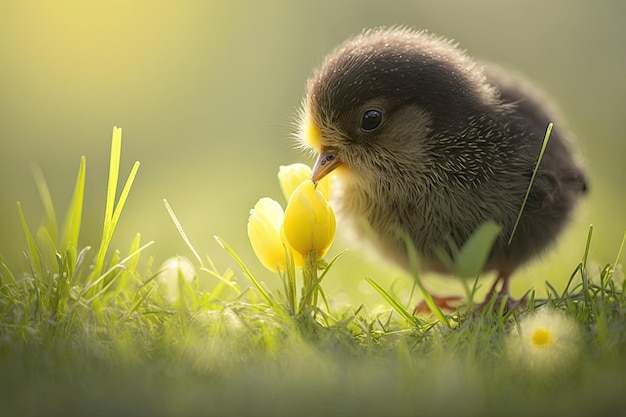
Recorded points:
327,161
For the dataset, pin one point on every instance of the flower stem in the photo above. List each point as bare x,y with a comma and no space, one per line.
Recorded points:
309,280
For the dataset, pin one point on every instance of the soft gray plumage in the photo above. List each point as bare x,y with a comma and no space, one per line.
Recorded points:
456,147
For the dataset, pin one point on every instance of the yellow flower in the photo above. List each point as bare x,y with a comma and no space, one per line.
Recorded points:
290,176
309,221
265,232
546,340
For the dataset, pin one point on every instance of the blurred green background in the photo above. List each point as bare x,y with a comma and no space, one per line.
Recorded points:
206,94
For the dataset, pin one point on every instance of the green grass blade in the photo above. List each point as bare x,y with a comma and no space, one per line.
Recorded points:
44,193
114,170
223,283
33,249
7,280
134,249
111,270
552,292
619,252
112,211
268,299
532,180
428,298
48,247
61,293
71,228
101,290
224,280
140,298
82,265
400,309
123,197
565,293
472,257
114,166
182,233
330,264
587,247
583,270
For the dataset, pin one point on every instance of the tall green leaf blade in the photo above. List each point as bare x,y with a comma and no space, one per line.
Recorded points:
266,296
114,170
50,222
112,211
182,233
123,197
400,309
472,257
33,249
73,218
546,138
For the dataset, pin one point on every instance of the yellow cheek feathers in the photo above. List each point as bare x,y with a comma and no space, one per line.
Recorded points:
310,133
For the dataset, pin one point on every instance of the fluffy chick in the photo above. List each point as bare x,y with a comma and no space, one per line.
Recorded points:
428,141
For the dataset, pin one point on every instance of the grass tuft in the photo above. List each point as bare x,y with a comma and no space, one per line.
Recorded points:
116,331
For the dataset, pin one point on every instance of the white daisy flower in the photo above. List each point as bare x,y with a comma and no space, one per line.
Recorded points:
545,341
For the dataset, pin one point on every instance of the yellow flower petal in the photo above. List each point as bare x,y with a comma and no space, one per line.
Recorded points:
264,232
324,185
290,176
309,221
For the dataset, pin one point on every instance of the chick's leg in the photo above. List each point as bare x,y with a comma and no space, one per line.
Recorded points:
449,303
502,295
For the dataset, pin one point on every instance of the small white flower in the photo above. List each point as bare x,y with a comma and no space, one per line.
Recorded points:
173,269
545,341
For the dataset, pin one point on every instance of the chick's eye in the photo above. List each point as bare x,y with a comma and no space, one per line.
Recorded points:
371,120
